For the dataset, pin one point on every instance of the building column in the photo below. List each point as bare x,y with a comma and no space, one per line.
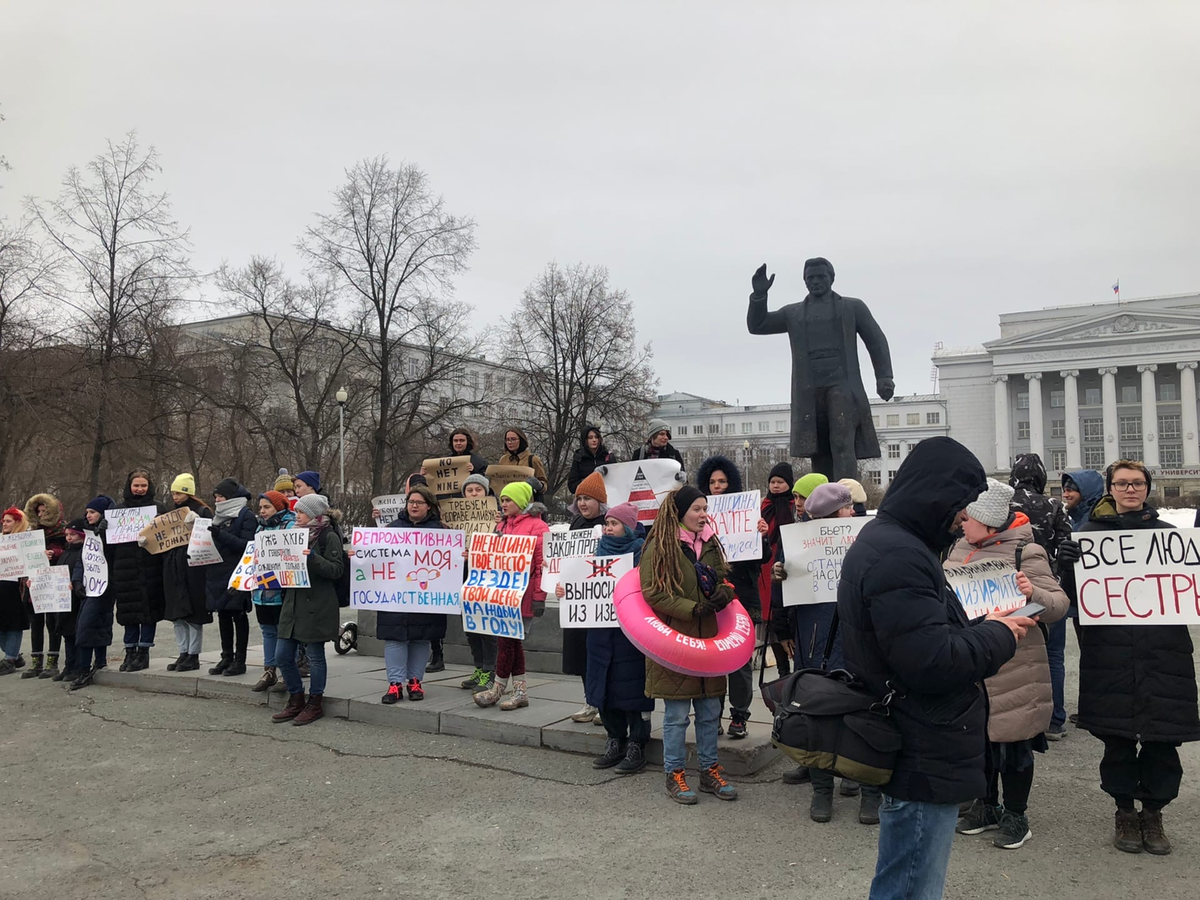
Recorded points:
1037,419
1003,441
1108,399
1070,379
1187,398
1149,415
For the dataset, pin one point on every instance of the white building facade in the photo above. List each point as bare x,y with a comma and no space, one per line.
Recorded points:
1083,386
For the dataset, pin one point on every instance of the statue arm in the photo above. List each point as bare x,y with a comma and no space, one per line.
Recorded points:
875,340
760,320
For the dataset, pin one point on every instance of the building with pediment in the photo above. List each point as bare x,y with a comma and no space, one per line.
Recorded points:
1083,386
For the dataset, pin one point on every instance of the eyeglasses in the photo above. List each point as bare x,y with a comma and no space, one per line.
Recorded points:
1129,485
417,503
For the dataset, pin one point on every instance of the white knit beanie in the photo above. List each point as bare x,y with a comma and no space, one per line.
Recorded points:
992,507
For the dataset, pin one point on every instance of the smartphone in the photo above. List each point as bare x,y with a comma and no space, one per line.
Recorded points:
1029,610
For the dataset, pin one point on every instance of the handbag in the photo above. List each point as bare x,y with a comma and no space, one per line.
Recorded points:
832,721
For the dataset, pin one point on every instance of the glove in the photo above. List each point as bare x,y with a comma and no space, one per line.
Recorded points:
722,596
539,608
141,539
190,517
705,607
214,528
1069,553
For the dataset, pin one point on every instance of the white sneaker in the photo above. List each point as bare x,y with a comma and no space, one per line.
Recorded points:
586,714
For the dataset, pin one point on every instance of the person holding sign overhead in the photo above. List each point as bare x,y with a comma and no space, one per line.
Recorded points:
136,579
14,611
1137,683
1019,695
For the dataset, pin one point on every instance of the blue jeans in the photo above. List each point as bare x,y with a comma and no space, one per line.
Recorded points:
285,659
140,635
406,660
914,849
10,643
270,636
675,724
1056,650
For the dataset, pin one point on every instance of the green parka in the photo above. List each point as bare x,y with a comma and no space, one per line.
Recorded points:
310,614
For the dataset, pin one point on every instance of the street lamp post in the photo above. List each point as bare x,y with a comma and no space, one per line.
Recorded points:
342,397
745,453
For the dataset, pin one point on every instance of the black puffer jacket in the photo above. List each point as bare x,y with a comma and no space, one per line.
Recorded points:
135,580
183,585
901,624
1135,681
230,538
743,575
1051,524
72,558
402,626
584,462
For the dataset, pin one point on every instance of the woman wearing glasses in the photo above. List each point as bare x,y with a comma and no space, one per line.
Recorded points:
1137,684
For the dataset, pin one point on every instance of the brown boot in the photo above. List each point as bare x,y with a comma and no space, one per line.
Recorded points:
1128,836
1154,839
311,712
295,706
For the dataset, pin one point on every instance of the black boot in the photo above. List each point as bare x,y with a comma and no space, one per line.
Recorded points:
141,660
130,654
436,661
190,663
238,666
225,663
171,667
821,809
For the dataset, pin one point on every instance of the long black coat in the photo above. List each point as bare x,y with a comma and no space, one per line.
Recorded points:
65,623
743,575
584,462
14,611
230,539
402,626
1135,681
135,577
901,623
183,585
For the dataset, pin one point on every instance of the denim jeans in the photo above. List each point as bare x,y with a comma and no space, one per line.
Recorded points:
10,643
270,635
140,635
1056,650
914,849
189,637
406,660
285,659
675,723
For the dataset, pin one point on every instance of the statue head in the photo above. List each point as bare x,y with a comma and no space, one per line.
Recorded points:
818,276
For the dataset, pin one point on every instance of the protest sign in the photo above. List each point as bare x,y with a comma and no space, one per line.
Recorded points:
500,477
124,525
389,506
562,544
95,565
1139,577
281,562
984,587
588,584
168,531
407,570
735,517
500,573
445,476
643,483
22,554
813,553
50,590
201,549
244,577
470,514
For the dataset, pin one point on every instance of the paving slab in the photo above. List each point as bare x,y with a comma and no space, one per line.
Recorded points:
421,715
519,726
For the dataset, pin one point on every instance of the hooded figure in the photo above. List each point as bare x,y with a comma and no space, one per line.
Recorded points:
1091,488
478,463
1047,516
50,521
586,460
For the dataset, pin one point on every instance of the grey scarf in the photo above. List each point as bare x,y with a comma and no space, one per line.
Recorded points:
228,509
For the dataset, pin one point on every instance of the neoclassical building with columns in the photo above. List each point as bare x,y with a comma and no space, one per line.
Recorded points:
1083,386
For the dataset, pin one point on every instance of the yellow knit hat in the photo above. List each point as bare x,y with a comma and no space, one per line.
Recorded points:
184,484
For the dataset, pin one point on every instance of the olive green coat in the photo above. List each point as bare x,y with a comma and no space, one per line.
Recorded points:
678,612
310,615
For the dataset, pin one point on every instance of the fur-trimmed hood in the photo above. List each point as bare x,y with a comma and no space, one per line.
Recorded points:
724,464
50,518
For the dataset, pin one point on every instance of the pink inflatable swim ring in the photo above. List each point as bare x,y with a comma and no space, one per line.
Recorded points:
710,657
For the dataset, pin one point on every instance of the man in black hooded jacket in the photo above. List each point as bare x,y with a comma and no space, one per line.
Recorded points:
1048,517
903,628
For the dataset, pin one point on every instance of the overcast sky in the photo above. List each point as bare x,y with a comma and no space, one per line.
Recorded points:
954,160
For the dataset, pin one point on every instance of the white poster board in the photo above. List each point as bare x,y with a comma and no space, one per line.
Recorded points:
245,573
280,559
643,483
124,525
589,582
495,586
984,587
50,590
389,506
1149,577
813,554
417,570
560,545
22,554
201,549
95,565
735,518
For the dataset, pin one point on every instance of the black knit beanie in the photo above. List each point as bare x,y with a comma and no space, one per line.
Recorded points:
783,470
226,487
684,498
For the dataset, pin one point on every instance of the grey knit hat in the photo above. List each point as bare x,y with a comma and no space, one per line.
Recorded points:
655,426
313,505
992,507
477,478
827,499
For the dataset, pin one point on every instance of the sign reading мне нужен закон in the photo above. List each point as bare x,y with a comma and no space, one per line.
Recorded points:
1149,577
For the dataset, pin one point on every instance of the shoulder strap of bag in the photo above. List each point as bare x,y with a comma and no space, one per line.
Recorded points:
833,627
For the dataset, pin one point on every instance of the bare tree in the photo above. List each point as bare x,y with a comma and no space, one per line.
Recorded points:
391,242
573,338
128,256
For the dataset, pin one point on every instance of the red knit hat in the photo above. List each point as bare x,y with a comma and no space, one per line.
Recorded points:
277,500
592,486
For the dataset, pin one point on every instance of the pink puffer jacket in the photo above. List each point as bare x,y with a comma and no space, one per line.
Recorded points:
531,525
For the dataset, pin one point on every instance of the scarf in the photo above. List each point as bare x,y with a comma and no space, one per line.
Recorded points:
316,527
228,509
619,546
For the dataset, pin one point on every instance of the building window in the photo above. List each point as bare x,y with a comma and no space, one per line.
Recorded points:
933,418
747,427
764,426
1170,455
892,475
874,477
1022,399
1058,460
1168,426
1171,493
780,425
1093,429
1091,396
875,421
1167,392
1058,428
910,448
714,427
681,430
1131,451
893,451
914,419
893,420
730,428
1130,428
1129,393
1093,457
1022,431
1058,399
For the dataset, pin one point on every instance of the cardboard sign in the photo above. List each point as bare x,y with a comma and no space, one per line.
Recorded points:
560,545
1147,577
588,583
95,565
22,554
499,575
168,531
446,475
643,483
280,559
735,518
50,590
389,506
245,573
470,514
984,587
813,554
417,570
124,525
201,549
501,477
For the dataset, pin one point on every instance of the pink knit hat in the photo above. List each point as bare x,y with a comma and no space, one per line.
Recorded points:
626,514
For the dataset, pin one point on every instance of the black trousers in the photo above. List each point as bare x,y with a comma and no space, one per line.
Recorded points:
1150,773
234,623
1017,785
625,724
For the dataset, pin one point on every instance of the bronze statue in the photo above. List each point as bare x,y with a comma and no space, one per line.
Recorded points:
831,415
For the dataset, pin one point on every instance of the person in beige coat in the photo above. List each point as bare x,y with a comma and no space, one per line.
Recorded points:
1019,695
